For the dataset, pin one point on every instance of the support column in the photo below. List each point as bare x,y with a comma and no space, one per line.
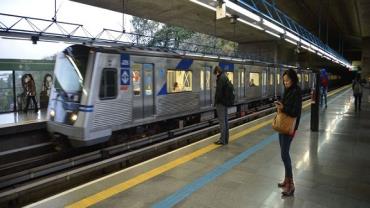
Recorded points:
365,59
315,102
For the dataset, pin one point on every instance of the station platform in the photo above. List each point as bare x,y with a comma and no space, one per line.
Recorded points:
18,122
331,168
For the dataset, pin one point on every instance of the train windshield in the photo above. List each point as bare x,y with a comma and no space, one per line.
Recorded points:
70,69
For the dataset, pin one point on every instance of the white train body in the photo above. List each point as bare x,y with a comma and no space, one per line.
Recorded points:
100,90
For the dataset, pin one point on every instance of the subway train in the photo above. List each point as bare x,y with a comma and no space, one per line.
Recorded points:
100,90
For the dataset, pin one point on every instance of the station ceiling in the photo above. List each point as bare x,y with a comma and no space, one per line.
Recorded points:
343,23
348,21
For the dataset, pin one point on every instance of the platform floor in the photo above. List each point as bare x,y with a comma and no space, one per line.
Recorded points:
331,169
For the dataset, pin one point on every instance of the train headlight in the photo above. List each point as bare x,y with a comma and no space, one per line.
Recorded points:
74,117
52,113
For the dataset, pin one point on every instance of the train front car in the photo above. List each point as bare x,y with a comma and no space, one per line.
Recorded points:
65,112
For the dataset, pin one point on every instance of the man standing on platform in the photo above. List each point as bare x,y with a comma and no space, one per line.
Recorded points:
220,105
324,87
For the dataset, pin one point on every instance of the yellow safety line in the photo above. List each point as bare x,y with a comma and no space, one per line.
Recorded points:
98,197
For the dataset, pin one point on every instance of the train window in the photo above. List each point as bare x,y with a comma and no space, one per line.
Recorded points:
271,79
179,81
306,77
136,79
278,79
299,77
108,84
230,76
254,79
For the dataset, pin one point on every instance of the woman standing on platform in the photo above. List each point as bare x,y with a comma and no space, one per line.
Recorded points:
291,104
30,92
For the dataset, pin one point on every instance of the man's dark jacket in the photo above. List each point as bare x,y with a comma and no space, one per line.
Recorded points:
221,84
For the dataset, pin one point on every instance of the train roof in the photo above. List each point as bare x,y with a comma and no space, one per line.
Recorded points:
163,52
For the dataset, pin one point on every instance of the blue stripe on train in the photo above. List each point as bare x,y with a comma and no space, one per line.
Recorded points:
226,66
184,64
163,90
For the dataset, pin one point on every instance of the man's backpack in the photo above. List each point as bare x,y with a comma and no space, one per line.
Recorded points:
229,98
324,82
357,88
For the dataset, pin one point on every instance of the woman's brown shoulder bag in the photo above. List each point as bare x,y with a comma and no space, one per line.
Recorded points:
283,123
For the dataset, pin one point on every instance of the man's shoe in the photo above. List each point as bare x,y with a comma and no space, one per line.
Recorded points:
219,143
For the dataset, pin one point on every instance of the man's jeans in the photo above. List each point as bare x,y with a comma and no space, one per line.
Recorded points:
224,124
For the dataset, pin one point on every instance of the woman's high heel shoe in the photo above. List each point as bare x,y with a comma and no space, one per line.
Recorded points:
289,188
282,184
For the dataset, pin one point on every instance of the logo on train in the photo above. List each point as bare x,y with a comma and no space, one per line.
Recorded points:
125,77
124,62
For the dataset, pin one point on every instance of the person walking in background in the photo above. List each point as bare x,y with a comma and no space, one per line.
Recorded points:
30,93
357,92
220,105
324,80
291,104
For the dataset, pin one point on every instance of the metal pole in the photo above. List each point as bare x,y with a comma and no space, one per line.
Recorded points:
123,16
327,26
14,93
55,11
320,22
315,101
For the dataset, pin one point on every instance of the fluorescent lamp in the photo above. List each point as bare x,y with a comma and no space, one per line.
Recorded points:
272,33
292,42
272,26
314,47
304,47
305,43
311,50
203,5
250,24
292,36
242,11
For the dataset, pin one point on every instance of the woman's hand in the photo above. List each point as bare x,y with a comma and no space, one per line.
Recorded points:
279,105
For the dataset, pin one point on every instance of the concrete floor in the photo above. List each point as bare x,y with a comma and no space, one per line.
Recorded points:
331,169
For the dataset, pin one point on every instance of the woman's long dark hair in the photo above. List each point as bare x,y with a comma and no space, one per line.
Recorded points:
292,76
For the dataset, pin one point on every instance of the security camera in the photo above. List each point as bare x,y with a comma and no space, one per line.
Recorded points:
297,50
34,39
233,19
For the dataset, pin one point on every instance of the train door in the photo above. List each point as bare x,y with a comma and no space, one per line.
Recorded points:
205,86
254,85
278,83
264,82
306,84
143,94
300,83
271,82
241,85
